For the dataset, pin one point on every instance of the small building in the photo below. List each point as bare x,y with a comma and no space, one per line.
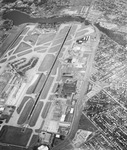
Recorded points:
57,136
62,118
42,147
72,110
64,124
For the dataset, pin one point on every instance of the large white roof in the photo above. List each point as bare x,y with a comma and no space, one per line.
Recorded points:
42,147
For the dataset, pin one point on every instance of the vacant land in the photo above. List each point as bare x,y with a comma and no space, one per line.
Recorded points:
46,109
26,111
25,99
36,113
22,47
85,124
47,63
13,135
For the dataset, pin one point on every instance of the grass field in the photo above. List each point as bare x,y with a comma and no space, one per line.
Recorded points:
45,38
32,87
13,135
25,99
3,60
40,84
63,32
85,124
80,2
16,42
67,43
31,38
46,109
36,113
39,130
7,42
34,140
54,49
12,147
47,63
25,112
10,52
47,88
24,53
54,70
73,29
12,57
25,30
40,48
58,41
54,87
22,47
81,33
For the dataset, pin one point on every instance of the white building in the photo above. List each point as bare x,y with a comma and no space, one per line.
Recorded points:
42,147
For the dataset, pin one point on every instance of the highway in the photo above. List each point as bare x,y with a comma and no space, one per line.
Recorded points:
79,106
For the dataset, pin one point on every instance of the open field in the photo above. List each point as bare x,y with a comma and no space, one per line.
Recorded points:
10,40
24,53
47,88
40,48
31,38
33,140
46,109
36,114
12,57
40,84
34,84
22,47
25,30
25,113
25,99
40,129
54,70
13,135
3,60
17,42
86,124
62,32
58,41
47,63
54,48
45,38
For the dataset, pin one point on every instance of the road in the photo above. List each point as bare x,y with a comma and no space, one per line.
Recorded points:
79,106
